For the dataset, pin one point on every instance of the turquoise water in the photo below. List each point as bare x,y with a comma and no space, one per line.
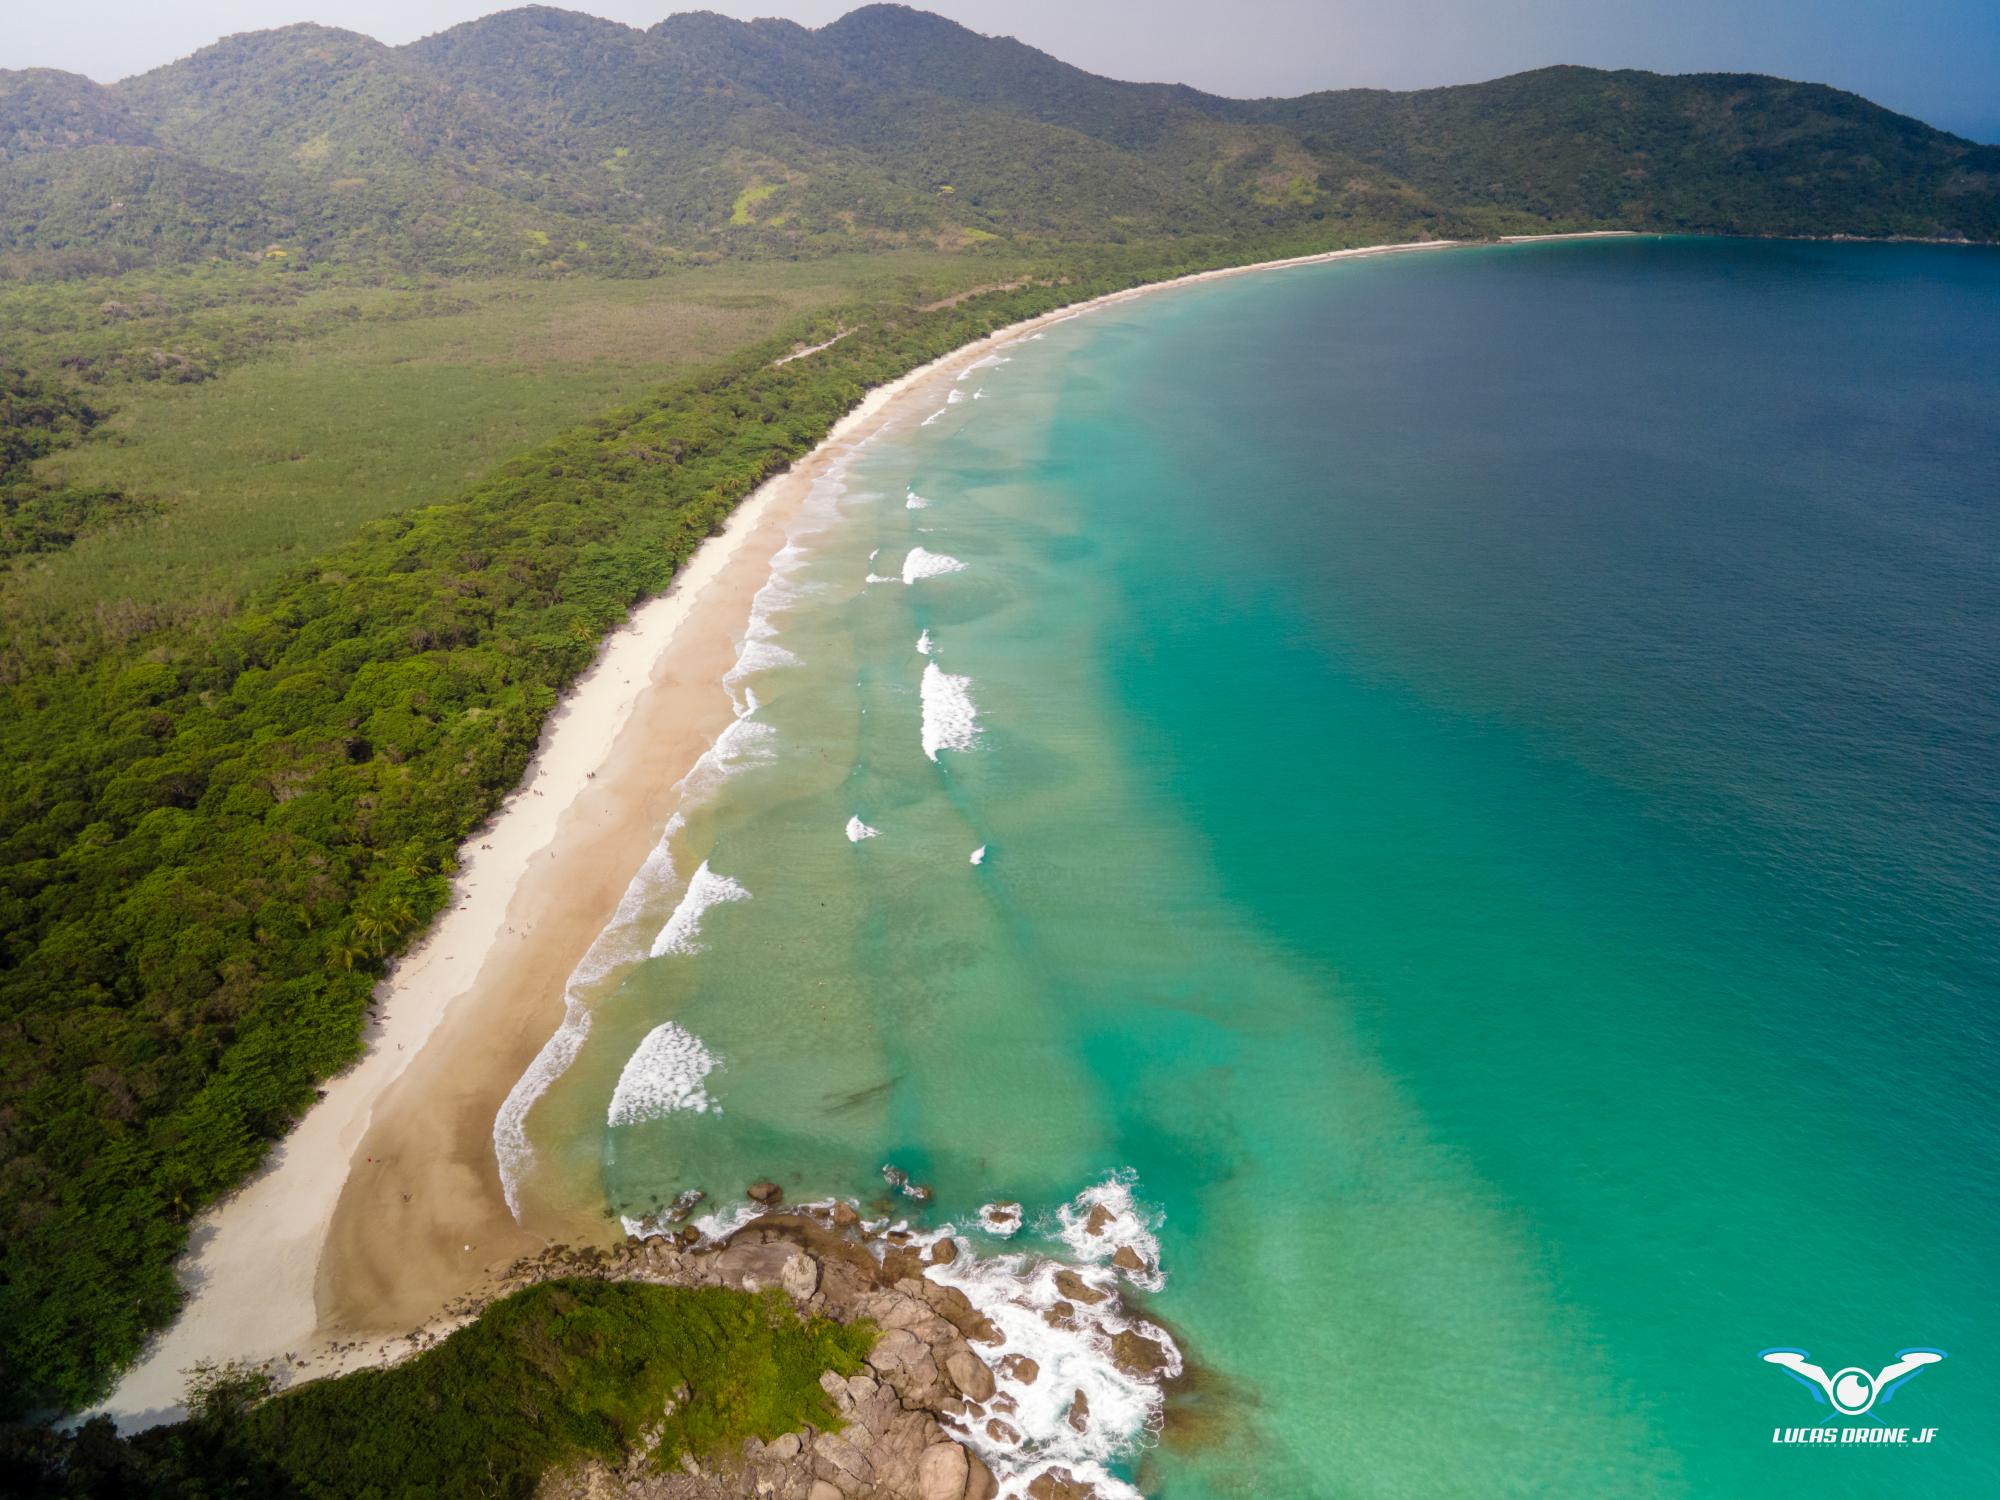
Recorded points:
1489,768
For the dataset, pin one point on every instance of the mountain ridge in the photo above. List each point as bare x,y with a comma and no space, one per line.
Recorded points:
544,138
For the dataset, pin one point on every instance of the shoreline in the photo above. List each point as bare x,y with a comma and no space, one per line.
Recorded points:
375,1220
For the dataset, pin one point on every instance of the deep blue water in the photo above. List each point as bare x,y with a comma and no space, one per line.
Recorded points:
1608,710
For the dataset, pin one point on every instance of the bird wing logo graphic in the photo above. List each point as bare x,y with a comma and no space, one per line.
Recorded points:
1853,1391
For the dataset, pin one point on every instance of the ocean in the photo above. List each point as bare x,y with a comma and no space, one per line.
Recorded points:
1459,795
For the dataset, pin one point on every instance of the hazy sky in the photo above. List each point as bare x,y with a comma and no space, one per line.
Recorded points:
1937,59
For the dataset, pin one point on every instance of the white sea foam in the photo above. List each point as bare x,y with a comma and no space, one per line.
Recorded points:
1001,1220
721,1224
924,644
984,364
858,830
979,854
911,501
666,1073
934,416
683,930
761,651
923,563
746,742
951,721
1019,1294
759,654
1102,1220
952,398
976,395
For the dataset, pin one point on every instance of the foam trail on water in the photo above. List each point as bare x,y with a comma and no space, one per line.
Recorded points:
858,830
683,929
620,943
924,644
623,940
745,742
923,563
666,1073
952,398
760,654
951,721
911,501
760,651
984,364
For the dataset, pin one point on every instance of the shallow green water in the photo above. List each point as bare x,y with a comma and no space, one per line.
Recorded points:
1489,765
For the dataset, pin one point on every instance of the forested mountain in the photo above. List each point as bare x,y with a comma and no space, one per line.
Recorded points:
543,137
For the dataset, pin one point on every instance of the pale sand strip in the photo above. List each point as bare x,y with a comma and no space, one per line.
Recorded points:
384,1204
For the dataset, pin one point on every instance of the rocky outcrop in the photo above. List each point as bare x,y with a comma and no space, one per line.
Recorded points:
949,1386
890,1442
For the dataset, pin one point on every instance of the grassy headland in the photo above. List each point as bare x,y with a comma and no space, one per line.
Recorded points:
559,1372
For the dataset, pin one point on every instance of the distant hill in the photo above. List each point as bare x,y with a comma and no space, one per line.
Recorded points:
544,137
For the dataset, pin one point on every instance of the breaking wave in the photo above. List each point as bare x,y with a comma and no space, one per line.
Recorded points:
622,942
683,930
666,1073
923,563
951,721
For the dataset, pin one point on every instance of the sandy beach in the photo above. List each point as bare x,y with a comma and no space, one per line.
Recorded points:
383,1208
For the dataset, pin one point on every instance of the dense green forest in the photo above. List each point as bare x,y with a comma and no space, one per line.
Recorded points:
225,804
561,1371
547,139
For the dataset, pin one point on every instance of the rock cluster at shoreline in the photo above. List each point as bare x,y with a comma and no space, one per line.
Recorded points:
931,1371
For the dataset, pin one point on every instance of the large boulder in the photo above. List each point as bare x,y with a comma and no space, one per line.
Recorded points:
799,1276
1060,1484
1078,1416
1138,1355
1076,1289
942,1472
969,1373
